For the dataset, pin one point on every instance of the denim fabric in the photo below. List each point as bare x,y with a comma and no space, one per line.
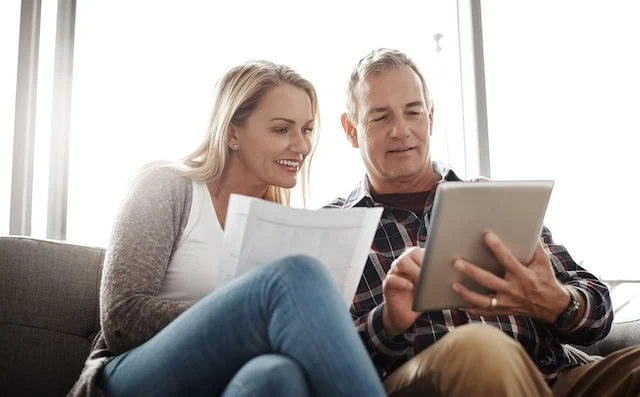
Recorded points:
289,310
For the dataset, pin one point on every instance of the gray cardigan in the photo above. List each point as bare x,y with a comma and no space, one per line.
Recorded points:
147,228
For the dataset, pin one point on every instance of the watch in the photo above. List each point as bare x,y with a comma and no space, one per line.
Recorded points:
568,316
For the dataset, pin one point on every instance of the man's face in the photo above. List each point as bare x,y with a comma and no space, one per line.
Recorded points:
393,127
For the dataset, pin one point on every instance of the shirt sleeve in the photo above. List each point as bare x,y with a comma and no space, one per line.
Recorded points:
598,314
387,353
142,242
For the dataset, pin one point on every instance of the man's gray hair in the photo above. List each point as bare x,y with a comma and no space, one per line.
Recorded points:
378,61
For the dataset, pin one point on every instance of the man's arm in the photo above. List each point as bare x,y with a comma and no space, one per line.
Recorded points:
386,352
382,310
596,314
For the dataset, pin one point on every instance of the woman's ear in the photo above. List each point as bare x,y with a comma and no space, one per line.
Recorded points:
232,138
349,130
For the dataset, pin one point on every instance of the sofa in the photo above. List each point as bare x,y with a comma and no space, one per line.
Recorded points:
49,315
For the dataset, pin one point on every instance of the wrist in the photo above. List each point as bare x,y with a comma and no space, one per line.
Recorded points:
389,328
562,301
567,318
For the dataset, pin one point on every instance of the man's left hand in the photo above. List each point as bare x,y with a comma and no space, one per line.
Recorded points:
529,290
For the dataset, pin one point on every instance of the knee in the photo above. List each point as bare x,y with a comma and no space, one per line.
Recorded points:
479,341
302,263
475,357
269,374
303,267
277,366
480,348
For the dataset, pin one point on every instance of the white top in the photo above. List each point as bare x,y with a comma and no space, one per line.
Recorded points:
193,269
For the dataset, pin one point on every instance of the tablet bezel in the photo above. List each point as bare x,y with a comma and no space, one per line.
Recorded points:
462,212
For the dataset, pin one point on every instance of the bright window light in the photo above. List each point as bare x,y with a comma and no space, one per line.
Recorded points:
9,34
562,93
144,75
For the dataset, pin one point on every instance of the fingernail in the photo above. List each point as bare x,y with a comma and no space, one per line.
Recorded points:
455,287
458,264
490,237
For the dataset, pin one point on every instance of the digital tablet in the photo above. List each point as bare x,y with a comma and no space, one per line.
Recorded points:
462,213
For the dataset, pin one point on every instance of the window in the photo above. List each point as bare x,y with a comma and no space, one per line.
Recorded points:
10,32
143,91
44,102
562,96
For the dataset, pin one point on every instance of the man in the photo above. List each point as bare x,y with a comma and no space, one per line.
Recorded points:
513,343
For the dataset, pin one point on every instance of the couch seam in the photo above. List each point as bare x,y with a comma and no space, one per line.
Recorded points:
55,242
44,329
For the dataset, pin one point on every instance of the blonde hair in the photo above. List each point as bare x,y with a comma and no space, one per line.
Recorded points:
378,61
237,96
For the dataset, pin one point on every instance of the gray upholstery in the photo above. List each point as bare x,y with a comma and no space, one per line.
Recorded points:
49,315
621,335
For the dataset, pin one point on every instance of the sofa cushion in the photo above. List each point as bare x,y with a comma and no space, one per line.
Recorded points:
48,314
50,285
38,362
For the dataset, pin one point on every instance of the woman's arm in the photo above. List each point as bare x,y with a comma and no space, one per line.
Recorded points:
144,237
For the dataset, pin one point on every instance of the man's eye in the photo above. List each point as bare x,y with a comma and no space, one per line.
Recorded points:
415,113
379,118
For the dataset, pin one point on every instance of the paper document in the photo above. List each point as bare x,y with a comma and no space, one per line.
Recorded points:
258,232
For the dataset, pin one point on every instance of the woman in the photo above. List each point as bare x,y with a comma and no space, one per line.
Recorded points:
281,330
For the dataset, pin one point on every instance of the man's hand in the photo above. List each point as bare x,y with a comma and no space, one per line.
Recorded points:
398,289
530,290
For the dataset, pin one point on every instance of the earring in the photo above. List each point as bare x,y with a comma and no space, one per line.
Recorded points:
234,146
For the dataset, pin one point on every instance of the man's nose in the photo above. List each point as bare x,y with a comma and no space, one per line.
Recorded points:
400,128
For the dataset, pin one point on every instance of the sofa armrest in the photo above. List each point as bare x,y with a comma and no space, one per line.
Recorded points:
622,335
48,313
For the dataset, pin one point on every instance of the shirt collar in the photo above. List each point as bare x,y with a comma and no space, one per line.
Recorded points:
361,195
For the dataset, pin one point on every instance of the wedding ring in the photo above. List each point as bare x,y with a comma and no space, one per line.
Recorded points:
493,303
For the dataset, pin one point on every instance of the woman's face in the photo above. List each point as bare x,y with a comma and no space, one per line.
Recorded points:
276,138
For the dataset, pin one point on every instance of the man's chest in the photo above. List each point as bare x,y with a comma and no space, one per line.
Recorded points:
398,230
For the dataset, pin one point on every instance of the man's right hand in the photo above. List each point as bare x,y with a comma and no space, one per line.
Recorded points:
398,289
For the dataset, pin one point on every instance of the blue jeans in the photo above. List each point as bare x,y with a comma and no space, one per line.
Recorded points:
282,329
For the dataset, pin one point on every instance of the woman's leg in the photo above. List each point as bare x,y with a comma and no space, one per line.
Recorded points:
290,307
269,375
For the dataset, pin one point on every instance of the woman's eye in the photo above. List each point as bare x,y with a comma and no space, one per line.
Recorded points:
307,131
282,130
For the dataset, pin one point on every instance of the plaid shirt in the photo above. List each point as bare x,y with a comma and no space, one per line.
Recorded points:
399,229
